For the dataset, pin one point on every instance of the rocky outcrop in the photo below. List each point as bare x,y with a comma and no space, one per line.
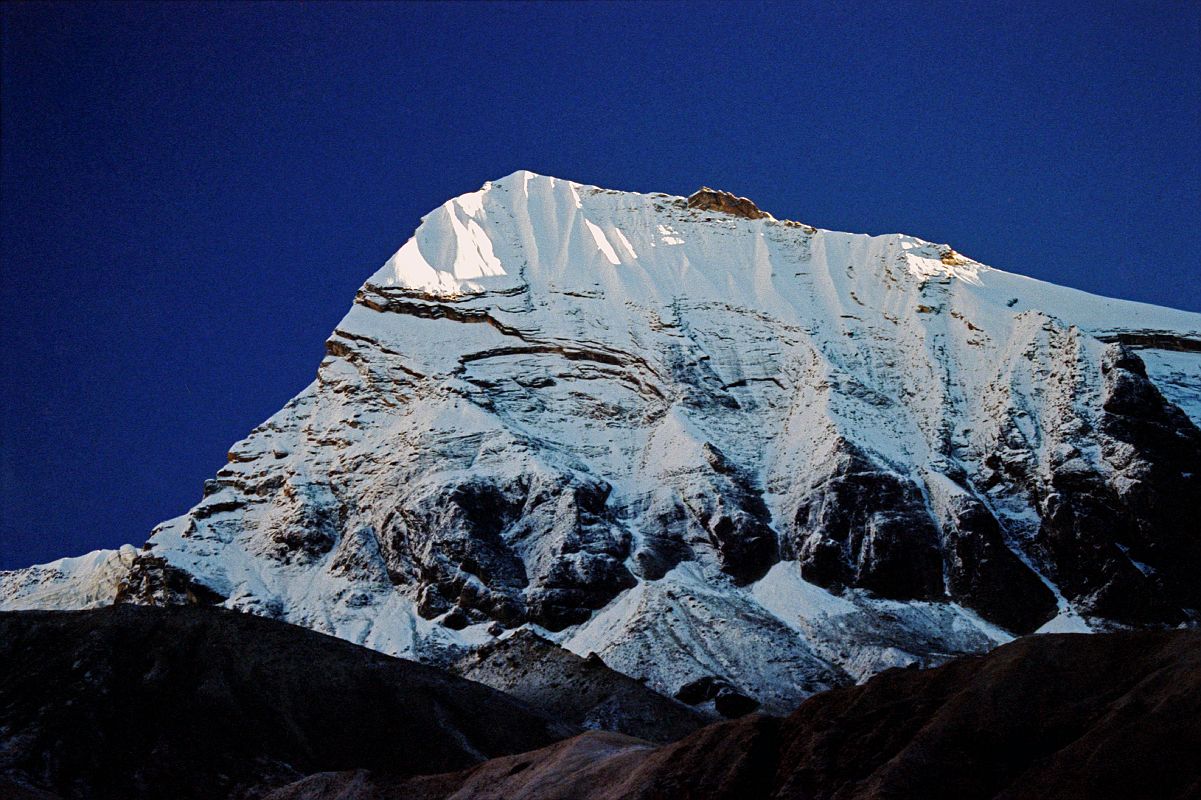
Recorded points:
305,522
980,569
706,199
727,699
533,547
865,526
1125,544
152,581
582,691
735,525
1155,340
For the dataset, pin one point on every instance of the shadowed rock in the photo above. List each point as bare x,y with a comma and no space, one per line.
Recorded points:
581,691
132,701
1064,716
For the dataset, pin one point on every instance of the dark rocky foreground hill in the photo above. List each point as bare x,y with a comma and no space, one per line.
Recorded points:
1059,716
579,691
138,702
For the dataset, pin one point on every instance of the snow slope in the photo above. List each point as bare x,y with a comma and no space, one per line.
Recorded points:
698,443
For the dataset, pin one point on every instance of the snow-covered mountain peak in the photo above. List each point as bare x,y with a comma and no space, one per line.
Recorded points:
699,440
552,232
530,231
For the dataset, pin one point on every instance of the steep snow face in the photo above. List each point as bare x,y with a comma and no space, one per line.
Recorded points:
701,443
87,581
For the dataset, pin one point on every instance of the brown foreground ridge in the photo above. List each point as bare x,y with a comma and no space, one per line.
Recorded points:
184,702
579,691
1057,716
137,702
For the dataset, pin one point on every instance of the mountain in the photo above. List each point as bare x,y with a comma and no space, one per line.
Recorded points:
1064,716
127,702
579,691
704,444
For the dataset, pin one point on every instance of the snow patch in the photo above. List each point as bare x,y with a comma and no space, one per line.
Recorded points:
601,242
925,263
1067,621
669,235
629,248
784,593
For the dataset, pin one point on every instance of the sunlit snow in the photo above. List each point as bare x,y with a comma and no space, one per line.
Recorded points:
599,237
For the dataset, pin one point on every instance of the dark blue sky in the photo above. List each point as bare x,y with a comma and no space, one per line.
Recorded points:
192,194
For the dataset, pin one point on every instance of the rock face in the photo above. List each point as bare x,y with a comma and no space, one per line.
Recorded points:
699,441
1147,513
727,700
1065,716
127,702
706,199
